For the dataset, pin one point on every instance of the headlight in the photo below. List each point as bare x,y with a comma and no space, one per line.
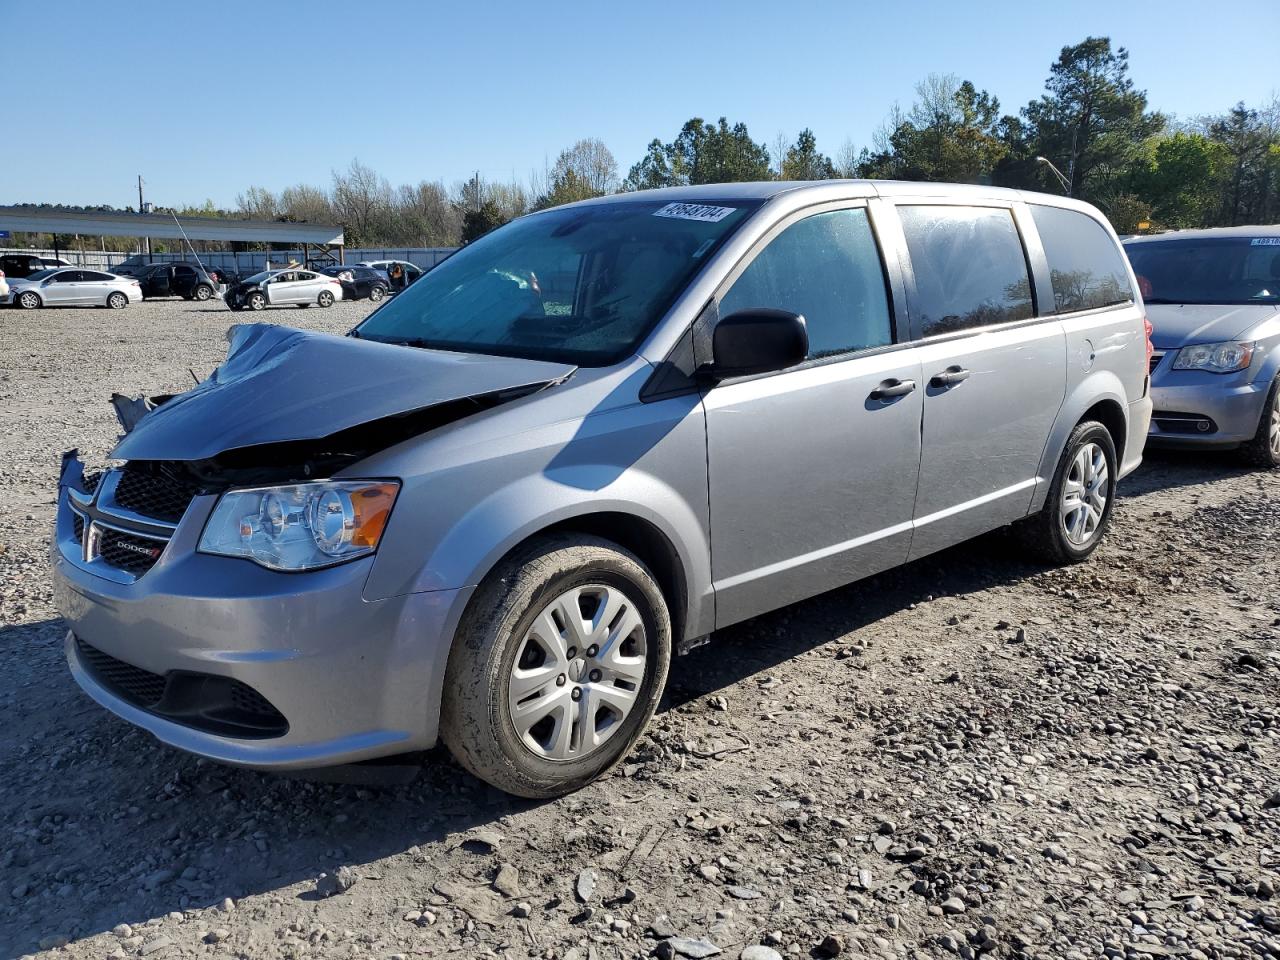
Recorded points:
303,526
1214,357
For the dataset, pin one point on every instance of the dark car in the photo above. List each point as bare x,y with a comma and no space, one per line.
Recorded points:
359,282
186,280
17,266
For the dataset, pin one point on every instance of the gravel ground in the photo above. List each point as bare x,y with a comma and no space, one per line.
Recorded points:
968,756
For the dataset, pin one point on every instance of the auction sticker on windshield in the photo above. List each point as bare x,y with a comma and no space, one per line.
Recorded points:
1257,241
694,211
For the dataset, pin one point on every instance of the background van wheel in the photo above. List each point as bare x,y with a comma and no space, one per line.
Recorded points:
256,301
1264,449
377,293
1081,496
28,300
325,299
117,301
203,292
558,665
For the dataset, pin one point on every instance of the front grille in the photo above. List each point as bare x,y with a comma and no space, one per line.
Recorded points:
77,523
203,701
140,687
156,490
134,554
91,481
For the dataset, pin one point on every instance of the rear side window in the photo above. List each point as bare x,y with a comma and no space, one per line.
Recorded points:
1086,267
969,266
96,277
827,269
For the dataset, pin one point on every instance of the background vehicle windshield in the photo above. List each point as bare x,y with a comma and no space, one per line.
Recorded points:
1226,270
41,274
579,285
258,277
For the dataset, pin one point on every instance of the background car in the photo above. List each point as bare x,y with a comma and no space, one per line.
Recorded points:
359,282
409,272
4,287
74,288
292,287
19,265
1213,299
187,280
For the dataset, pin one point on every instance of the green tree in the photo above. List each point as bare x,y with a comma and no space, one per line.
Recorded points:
1180,177
1090,122
701,153
1251,143
585,170
476,223
802,160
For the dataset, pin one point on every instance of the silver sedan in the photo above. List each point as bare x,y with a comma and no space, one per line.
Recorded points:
73,288
1213,299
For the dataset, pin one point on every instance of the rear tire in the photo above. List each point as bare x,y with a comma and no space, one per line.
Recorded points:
29,301
1077,511
325,299
117,301
1264,449
520,628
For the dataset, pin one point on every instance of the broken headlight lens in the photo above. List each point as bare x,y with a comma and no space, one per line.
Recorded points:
1214,357
303,526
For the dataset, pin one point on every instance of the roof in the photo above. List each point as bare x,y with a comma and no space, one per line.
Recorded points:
1212,233
162,226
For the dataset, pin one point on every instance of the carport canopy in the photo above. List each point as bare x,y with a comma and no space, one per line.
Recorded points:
162,226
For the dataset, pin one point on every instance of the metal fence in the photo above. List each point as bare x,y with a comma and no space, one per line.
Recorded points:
241,263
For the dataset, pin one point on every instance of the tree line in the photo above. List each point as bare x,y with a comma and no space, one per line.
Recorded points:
1090,134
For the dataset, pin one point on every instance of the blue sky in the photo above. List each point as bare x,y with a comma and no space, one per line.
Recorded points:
438,91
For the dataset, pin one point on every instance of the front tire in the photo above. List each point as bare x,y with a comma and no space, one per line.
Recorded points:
203,292
1078,509
325,299
1264,449
557,667
377,293
117,301
256,301
29,301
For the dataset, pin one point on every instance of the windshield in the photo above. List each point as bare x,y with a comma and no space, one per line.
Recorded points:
578,285
1219,270
41,274
258,277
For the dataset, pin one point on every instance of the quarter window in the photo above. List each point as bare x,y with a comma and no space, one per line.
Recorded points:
827,269
1086,268
970,269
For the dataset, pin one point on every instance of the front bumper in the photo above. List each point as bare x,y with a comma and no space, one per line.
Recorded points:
1193,408
353,679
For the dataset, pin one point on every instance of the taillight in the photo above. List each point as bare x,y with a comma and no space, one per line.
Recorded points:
1151,347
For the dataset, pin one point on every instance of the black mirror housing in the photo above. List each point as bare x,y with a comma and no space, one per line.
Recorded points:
757,341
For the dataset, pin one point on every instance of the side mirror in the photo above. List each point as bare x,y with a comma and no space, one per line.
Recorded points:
757,341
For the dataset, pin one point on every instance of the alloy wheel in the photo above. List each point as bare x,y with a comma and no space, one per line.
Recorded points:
1084,494
577,673
29,301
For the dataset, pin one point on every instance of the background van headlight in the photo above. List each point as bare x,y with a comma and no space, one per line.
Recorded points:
302,526
1214,357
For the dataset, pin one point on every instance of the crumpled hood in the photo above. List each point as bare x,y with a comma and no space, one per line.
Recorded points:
280,384
1177,325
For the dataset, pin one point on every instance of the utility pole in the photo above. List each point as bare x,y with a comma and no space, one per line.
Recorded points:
143,209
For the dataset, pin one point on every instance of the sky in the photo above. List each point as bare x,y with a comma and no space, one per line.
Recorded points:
205,100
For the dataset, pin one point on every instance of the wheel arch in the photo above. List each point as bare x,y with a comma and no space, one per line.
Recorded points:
1100,397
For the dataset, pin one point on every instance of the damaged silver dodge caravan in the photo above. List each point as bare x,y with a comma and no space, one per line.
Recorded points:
598,434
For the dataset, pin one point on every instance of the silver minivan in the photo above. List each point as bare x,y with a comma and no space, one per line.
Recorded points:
492,512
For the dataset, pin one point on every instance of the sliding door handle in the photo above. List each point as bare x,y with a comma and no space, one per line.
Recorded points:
889,389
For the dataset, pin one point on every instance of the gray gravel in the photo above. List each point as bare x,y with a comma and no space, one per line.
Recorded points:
968,757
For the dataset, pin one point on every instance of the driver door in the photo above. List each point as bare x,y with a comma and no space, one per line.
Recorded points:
62,288
283,288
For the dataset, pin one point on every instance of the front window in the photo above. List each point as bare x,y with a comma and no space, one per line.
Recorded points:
42,275
579,285
1225,270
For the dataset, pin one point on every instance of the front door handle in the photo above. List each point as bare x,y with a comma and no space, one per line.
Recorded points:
889,389
949,377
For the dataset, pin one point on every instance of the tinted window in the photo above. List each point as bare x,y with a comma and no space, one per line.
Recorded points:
969,267
184,271
1085,267
67,276
90,275
827,269
1208,269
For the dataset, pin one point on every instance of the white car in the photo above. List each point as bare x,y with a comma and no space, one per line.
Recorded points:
4,288
290,286
73,288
